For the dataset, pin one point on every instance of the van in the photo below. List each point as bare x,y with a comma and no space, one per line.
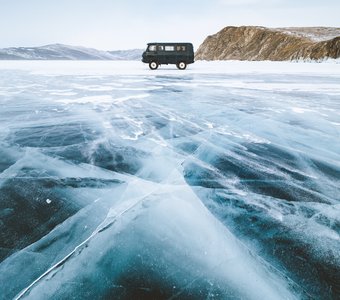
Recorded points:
180,54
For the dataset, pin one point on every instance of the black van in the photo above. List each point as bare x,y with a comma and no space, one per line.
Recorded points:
157,54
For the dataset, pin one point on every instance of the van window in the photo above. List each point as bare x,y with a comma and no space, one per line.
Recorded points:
180,48
160,48
169,48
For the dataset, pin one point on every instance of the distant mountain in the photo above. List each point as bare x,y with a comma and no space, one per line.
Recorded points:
260,43
66,52
134,54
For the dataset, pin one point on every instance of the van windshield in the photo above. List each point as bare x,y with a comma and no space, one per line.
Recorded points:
152,48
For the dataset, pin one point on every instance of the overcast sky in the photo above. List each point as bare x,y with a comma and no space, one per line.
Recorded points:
127,24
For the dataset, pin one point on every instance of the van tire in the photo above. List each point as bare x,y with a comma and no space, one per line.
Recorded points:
181,65
153,65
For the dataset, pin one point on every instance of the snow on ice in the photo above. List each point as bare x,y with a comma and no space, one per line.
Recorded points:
218,182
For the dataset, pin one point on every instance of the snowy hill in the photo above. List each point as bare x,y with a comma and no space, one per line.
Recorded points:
66,52
277,44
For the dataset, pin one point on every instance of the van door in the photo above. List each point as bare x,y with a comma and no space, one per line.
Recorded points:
181,53
160,53
170,54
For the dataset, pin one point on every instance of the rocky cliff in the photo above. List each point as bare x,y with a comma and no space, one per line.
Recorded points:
260,43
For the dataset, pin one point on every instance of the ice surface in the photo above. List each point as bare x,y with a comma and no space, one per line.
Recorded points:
218,182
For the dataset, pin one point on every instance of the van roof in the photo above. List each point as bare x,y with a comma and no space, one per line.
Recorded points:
172,43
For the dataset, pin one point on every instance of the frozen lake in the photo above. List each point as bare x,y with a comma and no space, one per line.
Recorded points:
218,182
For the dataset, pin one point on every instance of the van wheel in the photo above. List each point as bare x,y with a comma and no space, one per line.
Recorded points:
181,65
153,65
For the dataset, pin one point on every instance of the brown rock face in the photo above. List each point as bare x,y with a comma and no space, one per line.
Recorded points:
260,43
